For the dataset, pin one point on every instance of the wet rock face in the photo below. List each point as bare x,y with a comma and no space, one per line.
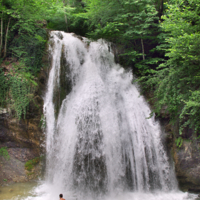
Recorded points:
13,168
187,164
65,86
187,157
23,154
3,134
23,133
24,139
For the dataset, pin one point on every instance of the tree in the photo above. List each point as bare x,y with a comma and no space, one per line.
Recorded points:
23,16
22,34
177,80
131,23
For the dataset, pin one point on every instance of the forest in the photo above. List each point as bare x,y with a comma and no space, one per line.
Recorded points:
157,39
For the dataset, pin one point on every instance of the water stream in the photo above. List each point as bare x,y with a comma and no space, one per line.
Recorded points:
100,142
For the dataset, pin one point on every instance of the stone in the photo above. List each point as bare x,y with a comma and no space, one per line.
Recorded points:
59,35
187,159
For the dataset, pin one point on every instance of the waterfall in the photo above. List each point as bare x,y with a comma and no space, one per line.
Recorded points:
100,140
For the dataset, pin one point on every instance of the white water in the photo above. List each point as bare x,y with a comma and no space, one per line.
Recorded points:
101,145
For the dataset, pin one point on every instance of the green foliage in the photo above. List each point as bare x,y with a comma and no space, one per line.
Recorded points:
4,88
179,142
4,152
70,17
42,123
31,163
129,23
61,19
22,86
190,114
17,89
20,90
30,49
177,79
24,17
26,45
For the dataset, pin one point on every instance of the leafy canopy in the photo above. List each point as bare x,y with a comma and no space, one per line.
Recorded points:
177,80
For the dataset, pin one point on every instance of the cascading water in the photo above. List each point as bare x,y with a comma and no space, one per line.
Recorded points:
99,141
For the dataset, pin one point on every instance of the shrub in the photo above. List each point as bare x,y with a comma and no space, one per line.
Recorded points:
31,163
4,152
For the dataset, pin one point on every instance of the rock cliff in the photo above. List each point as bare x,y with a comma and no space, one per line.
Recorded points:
24,139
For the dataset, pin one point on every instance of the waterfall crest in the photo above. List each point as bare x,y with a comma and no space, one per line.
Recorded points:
98,138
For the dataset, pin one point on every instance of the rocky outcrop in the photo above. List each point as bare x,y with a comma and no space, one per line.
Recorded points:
24,139
187,165
13,168
186,156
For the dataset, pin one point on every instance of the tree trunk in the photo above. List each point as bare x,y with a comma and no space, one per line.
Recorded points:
6,39
142,49
160,9
66,23
1,45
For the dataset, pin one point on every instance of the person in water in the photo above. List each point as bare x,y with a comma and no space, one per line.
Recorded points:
61,197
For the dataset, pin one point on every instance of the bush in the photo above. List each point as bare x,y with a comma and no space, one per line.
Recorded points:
30,49
31,163
4,152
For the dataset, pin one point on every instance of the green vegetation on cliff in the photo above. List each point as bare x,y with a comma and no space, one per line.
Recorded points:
22,47
4,152
31,163
176,81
